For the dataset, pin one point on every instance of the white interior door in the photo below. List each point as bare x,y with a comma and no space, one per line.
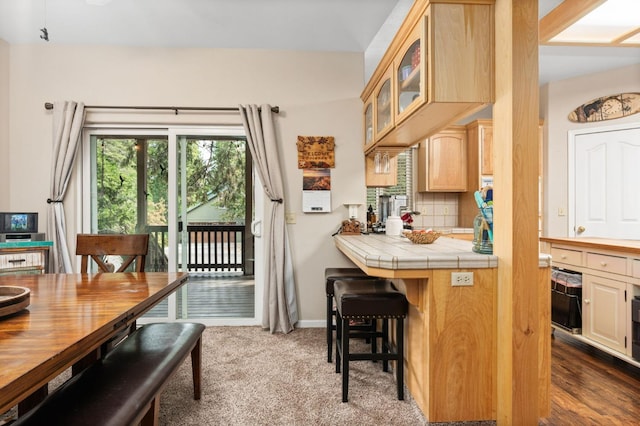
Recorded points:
606,166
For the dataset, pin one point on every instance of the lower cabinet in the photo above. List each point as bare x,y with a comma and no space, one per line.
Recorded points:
610,287
605,311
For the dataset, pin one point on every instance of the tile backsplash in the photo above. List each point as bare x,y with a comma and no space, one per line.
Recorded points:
437,210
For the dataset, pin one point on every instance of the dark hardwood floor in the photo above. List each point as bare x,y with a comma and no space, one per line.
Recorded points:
590,387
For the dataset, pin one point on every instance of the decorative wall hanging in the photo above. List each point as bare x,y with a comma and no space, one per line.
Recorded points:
316,152
607,108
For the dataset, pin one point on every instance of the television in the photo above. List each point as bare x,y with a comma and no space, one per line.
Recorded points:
18,223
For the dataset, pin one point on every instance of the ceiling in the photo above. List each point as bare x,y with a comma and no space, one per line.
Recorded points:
317,25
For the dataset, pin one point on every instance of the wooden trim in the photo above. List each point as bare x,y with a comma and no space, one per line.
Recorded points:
620,40
563,16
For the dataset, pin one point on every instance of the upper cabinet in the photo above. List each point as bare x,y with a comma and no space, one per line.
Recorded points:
368,123
480,168
408,66
442,161
381,169
383,109
437,70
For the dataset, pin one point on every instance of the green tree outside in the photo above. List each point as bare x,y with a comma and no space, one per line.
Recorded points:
213,167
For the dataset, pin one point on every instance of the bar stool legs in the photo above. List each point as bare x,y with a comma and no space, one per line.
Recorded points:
374,301
343,354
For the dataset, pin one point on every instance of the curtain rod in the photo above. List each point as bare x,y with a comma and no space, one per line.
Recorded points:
274,109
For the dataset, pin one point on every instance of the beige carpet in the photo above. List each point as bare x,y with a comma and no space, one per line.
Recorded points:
252,377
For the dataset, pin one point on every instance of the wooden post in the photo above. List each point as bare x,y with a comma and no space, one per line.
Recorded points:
516,212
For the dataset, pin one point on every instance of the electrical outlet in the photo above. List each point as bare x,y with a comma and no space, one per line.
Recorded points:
445,211
461,278
290,217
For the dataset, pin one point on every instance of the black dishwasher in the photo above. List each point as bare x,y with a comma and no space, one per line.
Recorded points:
566,300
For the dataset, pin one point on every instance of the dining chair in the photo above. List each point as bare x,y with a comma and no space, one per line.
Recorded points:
112,253
107,250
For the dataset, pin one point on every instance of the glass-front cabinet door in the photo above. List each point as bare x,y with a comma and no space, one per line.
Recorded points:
383,110
368,123
409,75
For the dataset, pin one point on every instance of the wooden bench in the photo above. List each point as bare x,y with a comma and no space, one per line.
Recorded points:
124,387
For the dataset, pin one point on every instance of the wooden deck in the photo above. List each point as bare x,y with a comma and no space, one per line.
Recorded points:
212,296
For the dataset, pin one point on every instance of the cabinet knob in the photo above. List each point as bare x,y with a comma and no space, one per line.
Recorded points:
603,264
564,256
587,301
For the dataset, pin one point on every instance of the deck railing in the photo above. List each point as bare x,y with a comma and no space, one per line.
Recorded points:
210,248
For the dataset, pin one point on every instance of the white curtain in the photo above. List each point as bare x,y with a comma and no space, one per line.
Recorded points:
280,310
68,119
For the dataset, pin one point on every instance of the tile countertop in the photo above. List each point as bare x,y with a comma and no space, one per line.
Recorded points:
387,252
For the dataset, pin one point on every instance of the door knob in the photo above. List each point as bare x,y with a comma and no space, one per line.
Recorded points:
580,229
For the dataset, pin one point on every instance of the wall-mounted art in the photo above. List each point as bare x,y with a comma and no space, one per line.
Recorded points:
607,108
316,190
316,152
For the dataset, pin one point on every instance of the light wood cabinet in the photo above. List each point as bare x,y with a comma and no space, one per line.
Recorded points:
409,76
485,140
480,168
377,177
368,123
383,107
442,160
438,69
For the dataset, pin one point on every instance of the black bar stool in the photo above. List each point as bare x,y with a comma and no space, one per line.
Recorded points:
369,300
330,276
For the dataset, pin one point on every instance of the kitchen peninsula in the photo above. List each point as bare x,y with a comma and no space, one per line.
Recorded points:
450,362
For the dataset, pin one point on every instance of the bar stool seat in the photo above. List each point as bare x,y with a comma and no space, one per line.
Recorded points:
330,276
369,300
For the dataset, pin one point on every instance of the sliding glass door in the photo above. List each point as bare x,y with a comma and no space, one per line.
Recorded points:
192,191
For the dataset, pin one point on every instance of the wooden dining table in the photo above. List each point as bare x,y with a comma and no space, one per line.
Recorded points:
69,317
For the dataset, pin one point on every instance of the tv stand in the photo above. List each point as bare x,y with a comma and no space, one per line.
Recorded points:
28,236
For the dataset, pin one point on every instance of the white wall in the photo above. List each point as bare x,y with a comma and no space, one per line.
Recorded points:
318,94
4,125
557,99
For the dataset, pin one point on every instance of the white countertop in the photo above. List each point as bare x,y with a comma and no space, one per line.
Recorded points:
387,252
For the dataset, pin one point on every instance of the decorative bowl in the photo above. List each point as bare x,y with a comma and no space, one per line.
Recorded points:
13,299
422,237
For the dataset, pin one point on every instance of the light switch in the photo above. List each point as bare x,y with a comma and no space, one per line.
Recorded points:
290,217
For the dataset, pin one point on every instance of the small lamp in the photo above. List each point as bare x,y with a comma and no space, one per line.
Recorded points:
353,209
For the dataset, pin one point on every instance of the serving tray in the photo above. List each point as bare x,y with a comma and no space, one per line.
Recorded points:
13,299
